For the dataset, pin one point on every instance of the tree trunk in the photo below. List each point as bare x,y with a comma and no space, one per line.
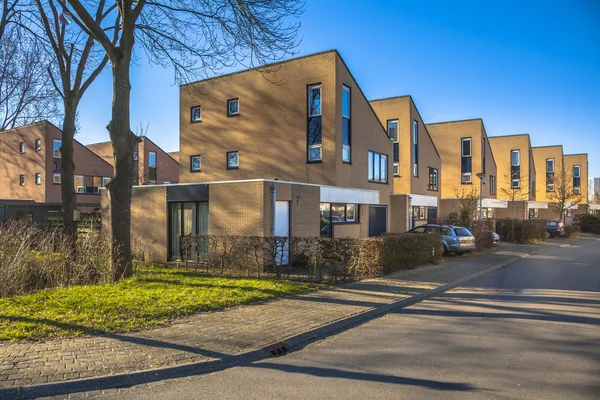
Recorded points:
119,188
67,172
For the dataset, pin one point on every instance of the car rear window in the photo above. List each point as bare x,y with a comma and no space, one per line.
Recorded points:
462,232
552,223
446,231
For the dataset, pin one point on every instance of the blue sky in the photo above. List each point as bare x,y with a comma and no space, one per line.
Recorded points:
524,67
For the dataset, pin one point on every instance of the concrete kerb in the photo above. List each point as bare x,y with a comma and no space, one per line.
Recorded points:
285,346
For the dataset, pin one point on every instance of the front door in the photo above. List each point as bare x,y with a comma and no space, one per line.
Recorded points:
432,215
282,228
377,220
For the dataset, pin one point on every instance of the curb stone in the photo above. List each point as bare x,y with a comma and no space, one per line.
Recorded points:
287,345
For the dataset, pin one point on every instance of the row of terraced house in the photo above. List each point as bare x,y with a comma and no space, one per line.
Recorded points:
297,149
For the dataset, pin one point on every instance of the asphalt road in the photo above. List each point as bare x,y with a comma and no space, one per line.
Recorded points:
528,331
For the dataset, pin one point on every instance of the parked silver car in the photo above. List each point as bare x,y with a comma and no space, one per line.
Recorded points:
455,239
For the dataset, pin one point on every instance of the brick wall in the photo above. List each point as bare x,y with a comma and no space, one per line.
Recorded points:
540,154
149,220
399,213
304,210
502,147
238,209
581,160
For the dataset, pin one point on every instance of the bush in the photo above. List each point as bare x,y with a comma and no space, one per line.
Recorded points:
521,231
340,259
589,223
482,231
572,231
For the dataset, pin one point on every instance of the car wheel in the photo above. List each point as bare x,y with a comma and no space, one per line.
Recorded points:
548,235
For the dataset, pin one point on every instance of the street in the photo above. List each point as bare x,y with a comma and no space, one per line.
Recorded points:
528,331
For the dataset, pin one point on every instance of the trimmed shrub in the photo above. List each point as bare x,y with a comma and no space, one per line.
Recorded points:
482,231
521,231
572,231
339,259
589,223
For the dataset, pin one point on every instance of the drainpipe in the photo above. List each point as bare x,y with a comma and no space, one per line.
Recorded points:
410,213
274,194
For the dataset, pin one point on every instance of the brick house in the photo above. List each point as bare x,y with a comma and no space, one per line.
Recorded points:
153,164
30,177
292,149
465,151
416,163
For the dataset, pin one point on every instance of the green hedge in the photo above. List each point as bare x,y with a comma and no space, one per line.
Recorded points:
589,223
521,231
316,258
482,232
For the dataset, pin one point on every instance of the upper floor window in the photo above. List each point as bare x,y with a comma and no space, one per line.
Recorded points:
466,165
56,145
483,155
38,178
415,148
152,166
433,179
577,179
196,114
38,144
195,163
550,175
135,156
377,167
515,169
392,130
492,184
56,179
314,125
105,181
22,180
346,124
79,184
22,147
233,160
233,107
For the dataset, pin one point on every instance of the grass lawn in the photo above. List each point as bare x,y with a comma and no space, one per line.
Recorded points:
151,299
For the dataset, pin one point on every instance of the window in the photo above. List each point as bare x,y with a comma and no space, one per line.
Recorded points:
534,213
492,184
233,160
105,181
350,212
22,147
466,162
233,107
22,180
392,130
415,149
38,178
195,163
418,213
488,212
96,184
433,179
196,114
314,125
38,144
576,179
152,166
346,124
79,185
135,156
56,145
483,155
338,214
515,169
56,179
377,167
550,175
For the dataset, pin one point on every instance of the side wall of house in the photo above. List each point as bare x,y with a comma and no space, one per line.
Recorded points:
540,155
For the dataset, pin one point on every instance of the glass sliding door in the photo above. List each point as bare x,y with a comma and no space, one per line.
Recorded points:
187,218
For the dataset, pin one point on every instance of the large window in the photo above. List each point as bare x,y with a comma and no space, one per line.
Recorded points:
550,175
515,169
338,214
466,165
56,145
392,130
576,179
415,148
152,166
377,167
346,132
433,179
188,218
315,124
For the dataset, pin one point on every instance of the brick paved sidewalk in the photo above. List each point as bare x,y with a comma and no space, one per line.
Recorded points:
216,335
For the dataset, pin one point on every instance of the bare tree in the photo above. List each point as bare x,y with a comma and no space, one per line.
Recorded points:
195,37
466,204
564,194
77,60
512,189
26,95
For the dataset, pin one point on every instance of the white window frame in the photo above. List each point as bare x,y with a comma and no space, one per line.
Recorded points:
22,180
467,178
553,165
56,178
22,147
199,157
229,113
354,216
312,147
492,184
462,147
78,187
320,113
192,109
518,152
105,180
38,178
54,141
346,147
578,175
38,144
